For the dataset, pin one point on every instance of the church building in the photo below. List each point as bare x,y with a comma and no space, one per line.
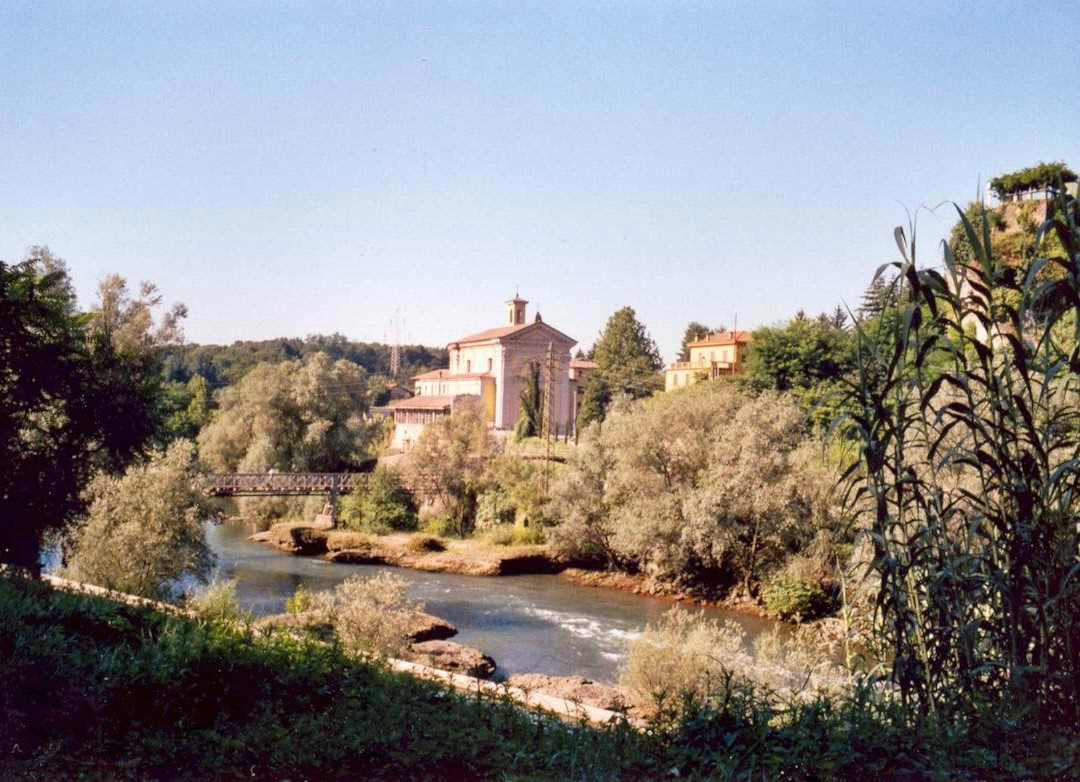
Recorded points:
492,367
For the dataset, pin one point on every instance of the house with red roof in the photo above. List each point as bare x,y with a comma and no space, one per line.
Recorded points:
720,353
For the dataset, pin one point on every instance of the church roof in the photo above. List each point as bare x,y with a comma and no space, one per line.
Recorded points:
499,333
506,331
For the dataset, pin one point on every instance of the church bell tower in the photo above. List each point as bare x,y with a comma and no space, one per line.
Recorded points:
515,311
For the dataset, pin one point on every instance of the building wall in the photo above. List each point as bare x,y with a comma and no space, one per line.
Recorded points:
476,358
517,357
705,361
406,434
449,386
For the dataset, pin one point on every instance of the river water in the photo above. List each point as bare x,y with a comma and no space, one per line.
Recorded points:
528,624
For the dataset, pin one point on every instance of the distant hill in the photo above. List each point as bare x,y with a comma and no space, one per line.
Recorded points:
225,364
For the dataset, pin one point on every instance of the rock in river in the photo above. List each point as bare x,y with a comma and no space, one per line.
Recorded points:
425,627
572,688
450,656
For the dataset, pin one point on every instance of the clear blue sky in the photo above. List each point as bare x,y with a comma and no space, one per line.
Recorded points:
293,168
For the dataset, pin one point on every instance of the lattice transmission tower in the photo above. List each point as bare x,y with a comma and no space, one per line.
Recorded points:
395,346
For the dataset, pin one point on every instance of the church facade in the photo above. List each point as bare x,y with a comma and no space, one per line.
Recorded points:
492,367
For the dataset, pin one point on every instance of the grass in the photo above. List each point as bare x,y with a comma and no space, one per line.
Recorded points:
93,689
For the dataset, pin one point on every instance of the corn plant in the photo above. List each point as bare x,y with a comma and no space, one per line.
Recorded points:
968,421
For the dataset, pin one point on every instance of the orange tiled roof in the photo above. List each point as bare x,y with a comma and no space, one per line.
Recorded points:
422,403
506,331
482,336
582,363
722,338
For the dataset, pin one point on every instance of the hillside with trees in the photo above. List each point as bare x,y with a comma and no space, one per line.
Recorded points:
223,365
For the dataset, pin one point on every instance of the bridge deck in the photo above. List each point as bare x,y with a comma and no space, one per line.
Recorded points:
283,484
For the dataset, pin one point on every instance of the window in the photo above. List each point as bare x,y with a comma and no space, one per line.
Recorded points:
489,365
468,367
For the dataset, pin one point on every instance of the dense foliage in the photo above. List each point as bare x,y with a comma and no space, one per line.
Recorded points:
294,416
531,418
969,476
1041,176
448,460
224,365
80,392
94,689
627,362
144,529
710,486
380,505
809,359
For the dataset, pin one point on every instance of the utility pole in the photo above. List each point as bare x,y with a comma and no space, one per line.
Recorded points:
395,348
549,411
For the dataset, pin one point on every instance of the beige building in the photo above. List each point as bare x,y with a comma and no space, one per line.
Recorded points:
720,353
581,369
492,367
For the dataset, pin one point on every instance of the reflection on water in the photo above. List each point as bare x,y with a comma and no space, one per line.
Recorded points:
540,624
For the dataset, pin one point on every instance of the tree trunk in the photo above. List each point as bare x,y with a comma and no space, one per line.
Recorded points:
751,560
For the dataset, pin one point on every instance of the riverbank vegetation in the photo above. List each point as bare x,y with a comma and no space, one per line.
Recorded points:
98,689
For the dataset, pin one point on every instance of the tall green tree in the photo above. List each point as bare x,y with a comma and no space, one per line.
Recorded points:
531,421
799,355
79,391
292,416
46,425
594,403
694,331
627,358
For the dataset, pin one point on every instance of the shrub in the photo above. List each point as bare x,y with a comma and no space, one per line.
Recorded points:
791,598
339,540
380,505
439,524
493,509
675,665
303,599
370,614
710,486
144,528
514,535
217,600
425,544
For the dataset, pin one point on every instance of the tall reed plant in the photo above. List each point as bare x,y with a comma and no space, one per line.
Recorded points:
967,415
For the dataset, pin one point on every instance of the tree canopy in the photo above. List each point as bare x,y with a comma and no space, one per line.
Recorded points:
80,393
298,415
626,357
695,330
1041,176
144,529
223,365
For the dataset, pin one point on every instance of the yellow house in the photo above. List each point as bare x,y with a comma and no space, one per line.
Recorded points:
720,353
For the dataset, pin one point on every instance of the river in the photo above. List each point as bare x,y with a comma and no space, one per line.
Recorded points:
528,624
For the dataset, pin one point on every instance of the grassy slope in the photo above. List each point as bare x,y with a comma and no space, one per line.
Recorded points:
92,689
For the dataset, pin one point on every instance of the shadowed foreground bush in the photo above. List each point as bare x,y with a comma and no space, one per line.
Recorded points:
94,689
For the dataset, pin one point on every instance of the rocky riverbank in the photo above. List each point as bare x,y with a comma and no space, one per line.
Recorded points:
428,645
419,552
472,558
